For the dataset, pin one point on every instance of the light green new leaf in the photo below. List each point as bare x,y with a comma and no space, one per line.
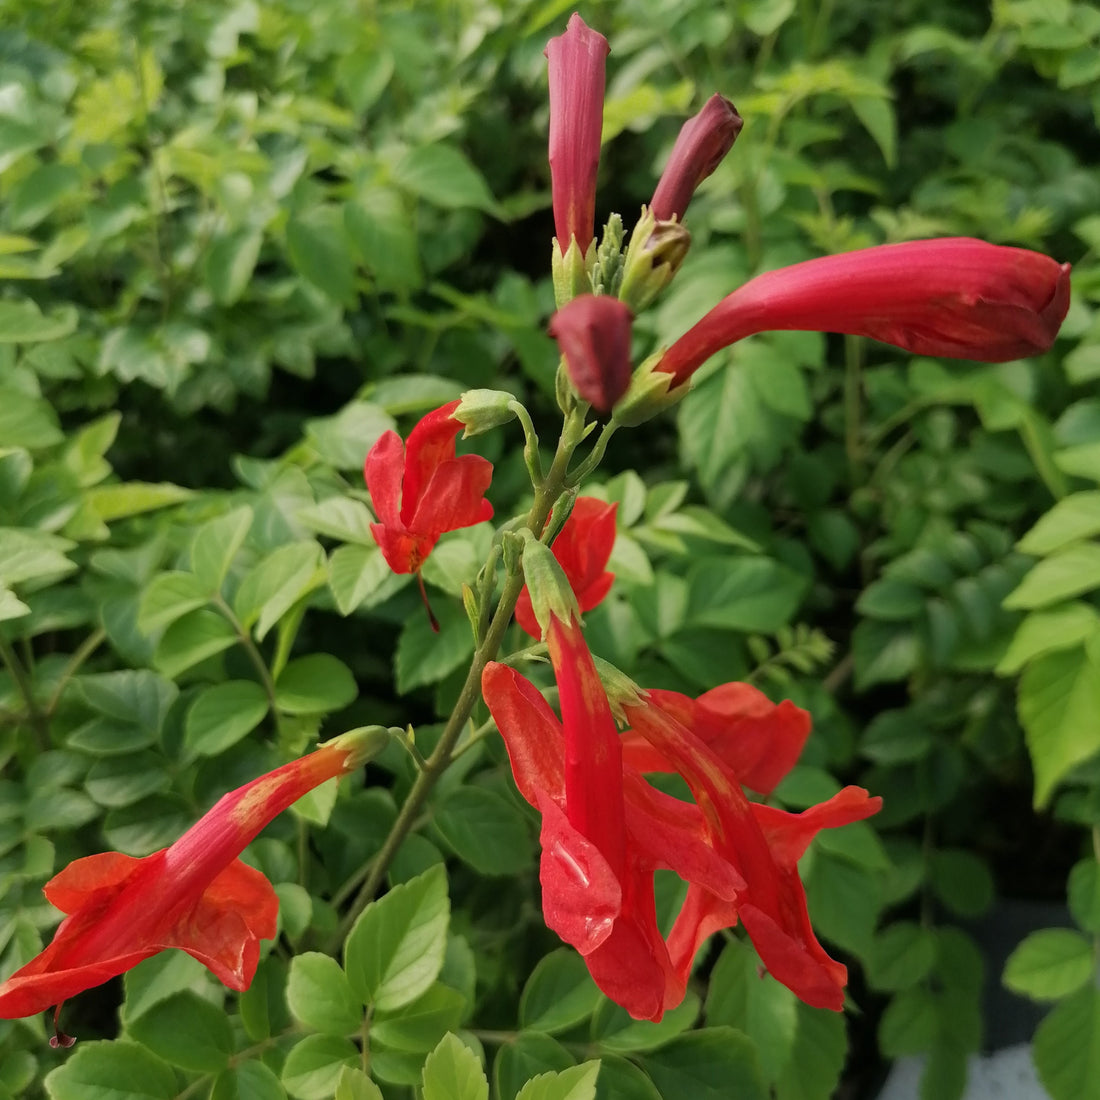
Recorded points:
395,951
1050,964
356,573
222,714
354,1084
313,1066
22,322
1063,627
111,502
416,1028
11,606
1083,892
320,997
453,1072
277,582
168,597
1067,1047
1073,518
444,176
1066,573
575,1083
1058,702
191,639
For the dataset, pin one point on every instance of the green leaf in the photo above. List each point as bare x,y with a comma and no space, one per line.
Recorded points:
1066,573
453,1072
317,247
818,1056
111,502
901,955
1063,627
358,572
313,1066
615,1029
278,582
340,518
320,997
575,1083
385,239
168,597
314,684
750,594
739,996
253,1081
910,1023
156,979
485,829
559,994
27,421
529,1053
424,657
354,1084
1058,700
419,1026
1084,894
622,1080
883,653
112,1070
216,544
345,438
444,176
891,601
1050,964
136,696
32,556
222,714
230,263
191,639
1067,1047
22,322
1073,518
125,779
713,1064
395,951
187,1031
962,881
11,607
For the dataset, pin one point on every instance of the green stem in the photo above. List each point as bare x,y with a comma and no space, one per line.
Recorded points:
545,496
254,655
853,384
76,662
38,719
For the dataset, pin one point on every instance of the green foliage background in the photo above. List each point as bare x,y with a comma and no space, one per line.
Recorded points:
241,240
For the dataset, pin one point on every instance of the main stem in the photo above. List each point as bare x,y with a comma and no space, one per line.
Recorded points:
546,494
38,720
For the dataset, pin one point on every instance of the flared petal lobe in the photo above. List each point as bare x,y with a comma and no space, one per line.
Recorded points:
421,489
702,145
195,895
958,297
577,61
593,333
582,549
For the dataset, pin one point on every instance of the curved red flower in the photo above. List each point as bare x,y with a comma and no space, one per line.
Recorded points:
195,895
582,549
421,489
958,297
593,333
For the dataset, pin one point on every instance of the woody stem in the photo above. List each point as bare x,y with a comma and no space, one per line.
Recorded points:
546,495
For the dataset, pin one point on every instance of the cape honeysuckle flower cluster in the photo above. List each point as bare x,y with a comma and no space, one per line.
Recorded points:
605,828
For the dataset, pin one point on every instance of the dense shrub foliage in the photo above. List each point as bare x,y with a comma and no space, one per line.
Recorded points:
241,241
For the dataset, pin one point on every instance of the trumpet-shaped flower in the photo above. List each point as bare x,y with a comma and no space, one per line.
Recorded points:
196,895
421,489
576,74
605,830
582,548
957,297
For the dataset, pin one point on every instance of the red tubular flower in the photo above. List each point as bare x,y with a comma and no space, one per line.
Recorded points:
420,490
593,333
702,144
958,297
196,895
582,548
763,844
576,72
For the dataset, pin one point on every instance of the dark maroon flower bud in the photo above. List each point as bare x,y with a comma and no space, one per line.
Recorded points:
593,333
703,142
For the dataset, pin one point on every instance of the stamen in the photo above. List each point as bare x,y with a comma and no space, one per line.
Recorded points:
427,606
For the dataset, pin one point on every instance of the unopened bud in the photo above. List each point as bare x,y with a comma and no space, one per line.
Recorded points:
570,271
656,252
361,744
593,332
482,410
648,394
549,588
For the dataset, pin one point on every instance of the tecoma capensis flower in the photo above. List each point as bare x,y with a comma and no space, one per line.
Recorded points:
593,333
582,549
605,830
576,64
702,144
420,489
196,895
958,297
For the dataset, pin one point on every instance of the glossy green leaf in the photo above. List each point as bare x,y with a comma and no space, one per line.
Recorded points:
1066,573
216,544
1050,964
169,597
529,1054
187,1031
354,1084
313,1066
191,639
314,684
118,1070
713,1064
574,1083
453,1072
418,1026
559,994
1055,628
486,830
222,714
320,997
